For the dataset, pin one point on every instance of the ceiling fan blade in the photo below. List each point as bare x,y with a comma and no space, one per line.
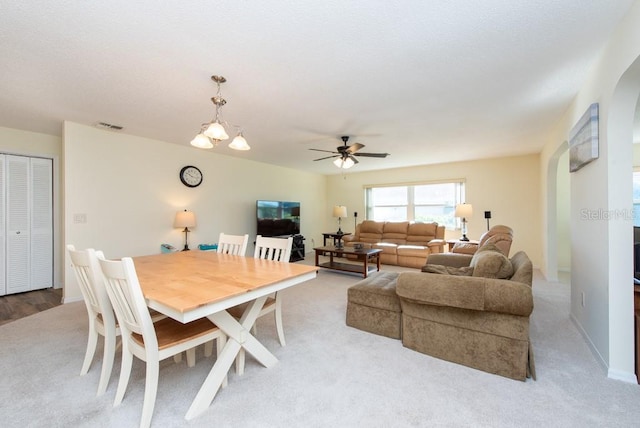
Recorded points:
355,161
327,157
354,147
372,155
326,151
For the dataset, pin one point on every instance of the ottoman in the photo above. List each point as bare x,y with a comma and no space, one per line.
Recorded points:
374,306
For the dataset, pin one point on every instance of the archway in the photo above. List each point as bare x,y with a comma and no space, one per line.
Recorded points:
552,212
619,135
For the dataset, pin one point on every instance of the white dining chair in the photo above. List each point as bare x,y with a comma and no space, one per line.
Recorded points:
150,342
233,244
102,320
229,244
278,249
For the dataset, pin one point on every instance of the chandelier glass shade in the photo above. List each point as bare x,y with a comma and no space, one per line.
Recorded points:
201,141
239,143
213,132
344,162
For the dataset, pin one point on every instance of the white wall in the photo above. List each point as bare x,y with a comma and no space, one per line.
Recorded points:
129,189
563,198
15,141
601,248
508,187
636,155
29,143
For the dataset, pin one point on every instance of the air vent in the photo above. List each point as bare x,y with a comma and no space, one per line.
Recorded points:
104,125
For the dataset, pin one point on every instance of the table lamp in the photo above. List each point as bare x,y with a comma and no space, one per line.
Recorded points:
464,211
340,211
185,219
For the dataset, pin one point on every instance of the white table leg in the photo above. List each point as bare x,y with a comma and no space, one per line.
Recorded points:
238,336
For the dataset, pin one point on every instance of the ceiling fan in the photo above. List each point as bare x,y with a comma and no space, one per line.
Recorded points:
345,154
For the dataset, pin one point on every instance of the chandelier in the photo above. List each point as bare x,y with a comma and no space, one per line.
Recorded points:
213,132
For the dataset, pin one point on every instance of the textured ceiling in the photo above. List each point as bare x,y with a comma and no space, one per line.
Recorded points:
427,81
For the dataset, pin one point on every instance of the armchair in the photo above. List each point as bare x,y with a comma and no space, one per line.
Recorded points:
501,236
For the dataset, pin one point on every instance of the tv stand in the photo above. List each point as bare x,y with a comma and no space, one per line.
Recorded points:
297,248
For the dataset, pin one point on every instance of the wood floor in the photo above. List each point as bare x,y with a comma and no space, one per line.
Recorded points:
16,306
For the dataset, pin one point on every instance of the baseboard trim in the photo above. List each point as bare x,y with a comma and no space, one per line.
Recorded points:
71,300
601,361
622,376
614,374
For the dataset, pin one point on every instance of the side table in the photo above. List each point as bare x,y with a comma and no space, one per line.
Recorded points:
337,237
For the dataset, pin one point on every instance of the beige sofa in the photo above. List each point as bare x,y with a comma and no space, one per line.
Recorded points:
402,243
476,321
465,315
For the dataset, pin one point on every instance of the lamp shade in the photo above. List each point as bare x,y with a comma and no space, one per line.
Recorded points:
239,143
340,211
185,219
464,210
202,142
215,131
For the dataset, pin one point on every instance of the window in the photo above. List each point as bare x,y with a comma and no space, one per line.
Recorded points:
636,198
426,202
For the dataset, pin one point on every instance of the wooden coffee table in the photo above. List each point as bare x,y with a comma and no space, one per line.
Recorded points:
362,259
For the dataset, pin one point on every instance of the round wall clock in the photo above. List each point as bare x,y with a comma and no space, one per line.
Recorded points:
190,176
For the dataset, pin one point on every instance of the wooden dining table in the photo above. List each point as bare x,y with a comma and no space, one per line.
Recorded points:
190,285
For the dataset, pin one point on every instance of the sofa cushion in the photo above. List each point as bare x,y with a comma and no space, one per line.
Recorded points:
386,247
491,264
370,231
378,290
414,251
421,233
448,270
395,232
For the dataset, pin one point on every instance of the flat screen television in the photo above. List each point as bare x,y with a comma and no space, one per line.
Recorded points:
278,218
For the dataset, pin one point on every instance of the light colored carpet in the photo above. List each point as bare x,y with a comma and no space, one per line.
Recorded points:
328,375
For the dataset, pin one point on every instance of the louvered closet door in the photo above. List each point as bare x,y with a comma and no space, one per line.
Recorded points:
3,282
41,245
17,227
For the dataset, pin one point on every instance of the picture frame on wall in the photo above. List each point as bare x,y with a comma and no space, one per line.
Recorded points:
583,140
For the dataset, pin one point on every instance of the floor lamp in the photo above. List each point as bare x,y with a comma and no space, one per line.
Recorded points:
185,219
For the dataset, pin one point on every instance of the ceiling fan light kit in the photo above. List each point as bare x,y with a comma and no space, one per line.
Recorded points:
345,155
213,132
344,163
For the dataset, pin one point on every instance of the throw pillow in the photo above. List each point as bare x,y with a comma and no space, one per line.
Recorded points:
448,270
491,264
